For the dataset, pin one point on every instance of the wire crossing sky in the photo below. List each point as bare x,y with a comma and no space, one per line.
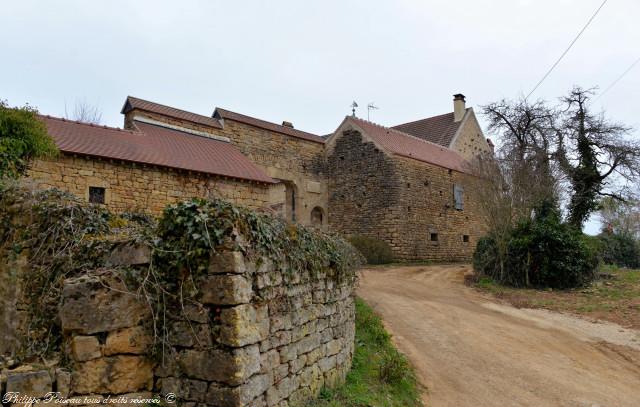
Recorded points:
567,50
618,79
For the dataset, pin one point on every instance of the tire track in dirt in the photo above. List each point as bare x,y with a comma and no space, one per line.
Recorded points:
469,351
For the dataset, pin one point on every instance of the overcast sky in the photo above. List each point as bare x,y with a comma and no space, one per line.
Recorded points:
307,61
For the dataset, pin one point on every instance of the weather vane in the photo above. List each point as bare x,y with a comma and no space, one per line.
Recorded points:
353,108
371,106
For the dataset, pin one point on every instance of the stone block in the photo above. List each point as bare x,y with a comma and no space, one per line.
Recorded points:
269,361
308,343
326,364
196,313
280,372
115,375
63,382
129,254
85,348
133,340
227,262
222,396
254,387
29,384
90,305
225,289
297,364
300,396
279,392
194,390
169,385
232,367
243,325
288,353
281,322
186,334
314,356
332,347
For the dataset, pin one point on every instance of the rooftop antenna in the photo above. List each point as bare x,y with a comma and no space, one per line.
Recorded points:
371,106
353,108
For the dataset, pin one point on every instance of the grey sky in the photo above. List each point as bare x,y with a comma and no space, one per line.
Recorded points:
306,61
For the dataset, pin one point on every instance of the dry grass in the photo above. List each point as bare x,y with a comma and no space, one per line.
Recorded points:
615,298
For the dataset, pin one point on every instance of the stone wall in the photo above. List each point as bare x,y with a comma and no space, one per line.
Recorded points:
286,158
259,335
364,189
427,207
470,141
297,162
130,187
401,201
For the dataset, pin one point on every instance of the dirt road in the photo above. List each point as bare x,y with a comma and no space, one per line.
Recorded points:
470,351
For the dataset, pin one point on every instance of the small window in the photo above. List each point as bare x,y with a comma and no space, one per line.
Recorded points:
465,238
434,237
458,196
96,195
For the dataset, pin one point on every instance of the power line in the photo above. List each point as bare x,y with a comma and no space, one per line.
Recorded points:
618,79
566,50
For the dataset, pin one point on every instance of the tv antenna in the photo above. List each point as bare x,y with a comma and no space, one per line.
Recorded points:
353,108
371,106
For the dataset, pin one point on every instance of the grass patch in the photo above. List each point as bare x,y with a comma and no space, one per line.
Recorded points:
615,298
380,375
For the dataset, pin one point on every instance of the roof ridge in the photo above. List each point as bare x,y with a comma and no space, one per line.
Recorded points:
426,118
266,121
178,129
103,126
408,135
167,106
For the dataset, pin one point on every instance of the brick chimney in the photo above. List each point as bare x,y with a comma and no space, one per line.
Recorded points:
458,107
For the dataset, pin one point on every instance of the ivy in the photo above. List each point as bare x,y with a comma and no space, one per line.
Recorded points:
63,237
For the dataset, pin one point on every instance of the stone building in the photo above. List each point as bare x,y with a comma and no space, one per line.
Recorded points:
404,184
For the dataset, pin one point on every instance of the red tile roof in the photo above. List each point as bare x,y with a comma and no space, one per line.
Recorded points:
409,146
252,121
437,129
135,103
154,145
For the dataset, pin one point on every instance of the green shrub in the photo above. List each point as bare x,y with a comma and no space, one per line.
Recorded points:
622,250
374,250
22,138
541,252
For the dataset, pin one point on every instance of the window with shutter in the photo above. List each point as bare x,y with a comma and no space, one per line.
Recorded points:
458,196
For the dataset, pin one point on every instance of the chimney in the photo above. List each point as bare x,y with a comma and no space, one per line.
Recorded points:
287,124
458,107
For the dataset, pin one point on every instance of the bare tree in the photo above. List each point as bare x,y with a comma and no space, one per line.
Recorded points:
595,155
526,137
620,217
84,112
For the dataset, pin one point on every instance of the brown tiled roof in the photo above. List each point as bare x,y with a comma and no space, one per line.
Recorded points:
437,129
135,103
154,145
409,146
252,121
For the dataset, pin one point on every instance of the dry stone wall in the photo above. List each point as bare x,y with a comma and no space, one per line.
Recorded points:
259,335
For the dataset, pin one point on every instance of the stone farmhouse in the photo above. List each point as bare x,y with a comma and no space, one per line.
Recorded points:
403,184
